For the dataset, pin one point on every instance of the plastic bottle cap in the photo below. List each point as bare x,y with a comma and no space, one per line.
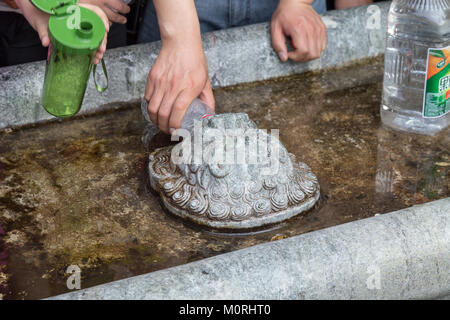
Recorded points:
54,7
73,29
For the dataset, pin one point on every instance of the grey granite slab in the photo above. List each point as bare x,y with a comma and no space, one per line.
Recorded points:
399,255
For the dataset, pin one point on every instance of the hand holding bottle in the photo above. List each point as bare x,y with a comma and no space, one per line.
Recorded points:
180,73
39,22
37,19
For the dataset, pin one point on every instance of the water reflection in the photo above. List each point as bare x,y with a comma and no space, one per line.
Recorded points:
411,167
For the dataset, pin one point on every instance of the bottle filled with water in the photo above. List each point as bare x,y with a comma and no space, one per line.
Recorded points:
196,111
416,87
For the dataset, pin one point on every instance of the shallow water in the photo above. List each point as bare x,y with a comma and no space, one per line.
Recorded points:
76,192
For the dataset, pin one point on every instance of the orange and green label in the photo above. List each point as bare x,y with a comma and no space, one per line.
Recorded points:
436,100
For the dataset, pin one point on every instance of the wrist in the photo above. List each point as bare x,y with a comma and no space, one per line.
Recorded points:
181,36
178,21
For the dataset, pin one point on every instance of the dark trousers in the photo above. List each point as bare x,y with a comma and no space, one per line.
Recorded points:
19,43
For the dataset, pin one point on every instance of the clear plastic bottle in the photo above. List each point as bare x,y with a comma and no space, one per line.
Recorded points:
414,28
197,110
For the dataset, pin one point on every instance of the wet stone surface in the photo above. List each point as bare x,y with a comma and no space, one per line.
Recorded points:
76,192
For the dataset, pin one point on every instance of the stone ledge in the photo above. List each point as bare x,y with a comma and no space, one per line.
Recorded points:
399,255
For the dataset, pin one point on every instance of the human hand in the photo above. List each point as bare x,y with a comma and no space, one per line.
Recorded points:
178,76
39,22
37,19
298,20
102,49
11,3
114,9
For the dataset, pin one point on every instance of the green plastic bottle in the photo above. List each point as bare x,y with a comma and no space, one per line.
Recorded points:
76,34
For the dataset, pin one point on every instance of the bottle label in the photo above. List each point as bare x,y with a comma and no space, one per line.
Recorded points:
436,100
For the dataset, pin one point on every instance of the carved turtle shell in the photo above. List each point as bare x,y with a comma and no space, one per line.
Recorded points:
233,195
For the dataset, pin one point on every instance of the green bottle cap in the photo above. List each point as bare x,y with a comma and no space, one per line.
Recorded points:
73,29
54,7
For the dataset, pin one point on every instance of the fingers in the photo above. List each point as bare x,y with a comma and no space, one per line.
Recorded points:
303,25
168,109
315,41
43,35
180,106
309,38
177,77
173,88
99,12
207,96
158,88
320,31
184,100
114,16
102,49
168,102
278,41
119,6
155,103
301,41
40,24
149,89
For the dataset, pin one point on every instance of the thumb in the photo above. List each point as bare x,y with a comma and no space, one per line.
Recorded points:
99,12
43,34
279,41
180,106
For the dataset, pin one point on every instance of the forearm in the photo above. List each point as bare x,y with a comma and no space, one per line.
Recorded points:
26,6
28,9
11,3
178,20
36,18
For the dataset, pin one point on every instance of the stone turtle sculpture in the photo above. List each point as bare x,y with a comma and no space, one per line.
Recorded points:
244,179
